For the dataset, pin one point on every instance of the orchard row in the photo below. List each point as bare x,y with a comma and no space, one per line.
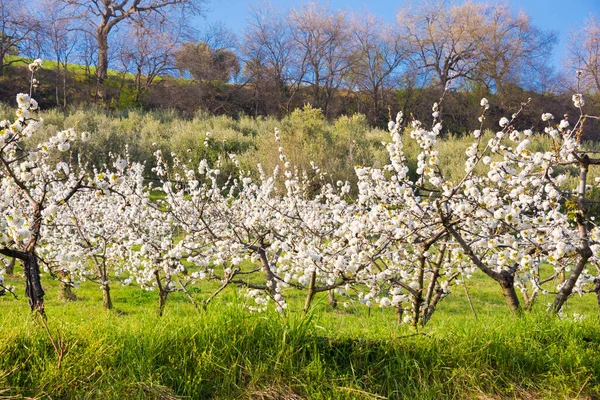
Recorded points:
403,241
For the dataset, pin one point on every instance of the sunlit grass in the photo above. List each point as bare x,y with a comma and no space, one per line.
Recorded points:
351,352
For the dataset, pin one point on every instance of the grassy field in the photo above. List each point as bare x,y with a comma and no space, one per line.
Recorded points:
345,353
226,352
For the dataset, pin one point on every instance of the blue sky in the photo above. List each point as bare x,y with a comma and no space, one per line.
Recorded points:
559,15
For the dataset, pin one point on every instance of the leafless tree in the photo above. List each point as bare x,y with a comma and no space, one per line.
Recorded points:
584,55
87,55
99,18
59,39
16,24
322,50
267,54
443,39
150,52
512,50
378,53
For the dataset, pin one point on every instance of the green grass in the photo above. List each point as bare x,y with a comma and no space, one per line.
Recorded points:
347,353
77,69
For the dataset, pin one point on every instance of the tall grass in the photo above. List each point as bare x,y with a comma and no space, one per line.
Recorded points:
347,353
230,354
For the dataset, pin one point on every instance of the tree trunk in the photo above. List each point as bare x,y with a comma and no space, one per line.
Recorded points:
429,310
271,284
66,293
121,86
56,83
33,285
508,290
399,312
65,84
375,108
331,298
106,299
138,84
569,284
88,75
418,298
267,271
597,290
162,300
65,287
311,292
584,250
505,278
10,268
102,67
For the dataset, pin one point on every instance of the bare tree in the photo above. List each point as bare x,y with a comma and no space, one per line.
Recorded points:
267,54
378,53
511,48
60,38
584,56
443,39
150,51
322,50
87,56
100,17
16,24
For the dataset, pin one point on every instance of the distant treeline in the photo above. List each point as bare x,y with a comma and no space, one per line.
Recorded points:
187,98
340,62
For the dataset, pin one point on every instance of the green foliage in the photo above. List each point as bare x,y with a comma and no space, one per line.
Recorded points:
351,127
335,147
309,125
